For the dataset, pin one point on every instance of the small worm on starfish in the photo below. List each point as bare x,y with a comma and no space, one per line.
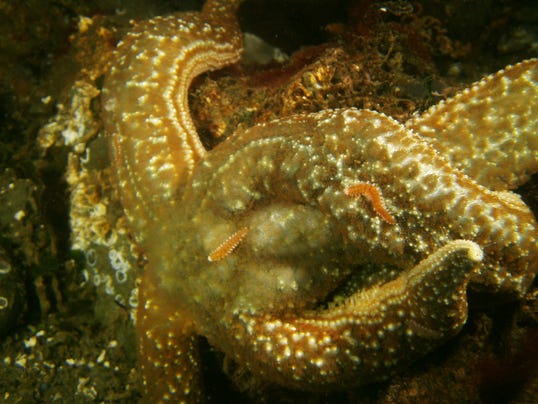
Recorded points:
371,193
228,245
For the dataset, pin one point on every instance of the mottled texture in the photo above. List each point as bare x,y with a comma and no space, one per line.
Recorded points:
151,103
247,243
489,130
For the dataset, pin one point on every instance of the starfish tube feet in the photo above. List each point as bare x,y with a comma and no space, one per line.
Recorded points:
371,334
227,246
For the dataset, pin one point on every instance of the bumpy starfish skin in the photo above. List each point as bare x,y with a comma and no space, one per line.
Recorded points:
155,146
285,181
498,150
145,95
247,243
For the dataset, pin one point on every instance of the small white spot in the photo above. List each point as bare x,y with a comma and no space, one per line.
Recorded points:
30,342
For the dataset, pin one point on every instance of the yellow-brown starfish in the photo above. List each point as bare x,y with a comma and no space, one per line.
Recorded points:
246,242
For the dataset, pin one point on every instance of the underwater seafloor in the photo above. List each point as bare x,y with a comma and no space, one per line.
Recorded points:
68,266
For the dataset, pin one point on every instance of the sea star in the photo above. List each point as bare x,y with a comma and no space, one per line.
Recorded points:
247,243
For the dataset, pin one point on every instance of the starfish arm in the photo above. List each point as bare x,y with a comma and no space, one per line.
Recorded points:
288,182
153,140
369,335
167,349
490,130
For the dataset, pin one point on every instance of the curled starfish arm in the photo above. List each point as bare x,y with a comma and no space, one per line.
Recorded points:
145,108
319,251
315,161
490,130
368,336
